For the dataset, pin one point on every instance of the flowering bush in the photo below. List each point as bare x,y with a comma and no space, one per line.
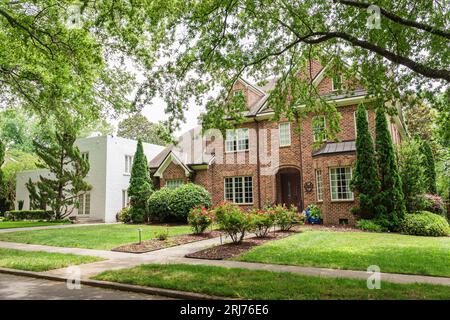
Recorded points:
433,203
232,220
199,219
285,217
261,221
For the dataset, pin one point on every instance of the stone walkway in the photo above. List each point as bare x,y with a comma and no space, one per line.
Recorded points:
119,260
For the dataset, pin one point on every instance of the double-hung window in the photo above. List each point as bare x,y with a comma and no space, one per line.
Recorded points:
128,164
125,199
239,189
173,183
237,140
285,134
319,185
84,204
340,183
319,128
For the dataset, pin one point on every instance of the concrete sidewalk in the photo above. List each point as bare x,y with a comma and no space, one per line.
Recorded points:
119,260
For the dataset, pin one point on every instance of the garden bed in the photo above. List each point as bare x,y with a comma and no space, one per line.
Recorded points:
156,244
230,250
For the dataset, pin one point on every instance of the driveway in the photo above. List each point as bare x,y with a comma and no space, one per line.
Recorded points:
25,288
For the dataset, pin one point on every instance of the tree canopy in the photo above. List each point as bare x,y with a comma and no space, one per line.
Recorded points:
186,49
137,127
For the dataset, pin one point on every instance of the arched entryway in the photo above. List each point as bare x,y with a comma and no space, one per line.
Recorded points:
289,187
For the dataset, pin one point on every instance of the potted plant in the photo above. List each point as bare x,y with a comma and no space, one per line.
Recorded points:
313,214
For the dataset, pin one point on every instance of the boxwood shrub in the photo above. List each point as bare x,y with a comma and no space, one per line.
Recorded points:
173,205
16,215
369,225
425,223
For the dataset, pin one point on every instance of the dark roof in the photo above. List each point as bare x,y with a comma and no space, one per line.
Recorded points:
336,147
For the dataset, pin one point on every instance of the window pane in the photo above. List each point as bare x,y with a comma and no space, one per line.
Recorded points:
229,189
174,183
319,128
340,183
238,190
87,203
319,185
81,204
248,189
285,134
242,139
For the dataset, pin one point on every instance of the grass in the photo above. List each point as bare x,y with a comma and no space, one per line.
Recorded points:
393,253
103,237
27,224
39,260
260,284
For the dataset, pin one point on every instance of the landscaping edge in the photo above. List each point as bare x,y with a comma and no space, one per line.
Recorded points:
118,286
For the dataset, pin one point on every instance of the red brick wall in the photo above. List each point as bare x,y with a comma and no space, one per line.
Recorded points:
173,171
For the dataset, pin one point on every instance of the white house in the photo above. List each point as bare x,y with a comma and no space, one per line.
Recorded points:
110,159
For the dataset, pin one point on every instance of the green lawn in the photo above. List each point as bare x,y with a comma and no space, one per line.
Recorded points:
393,253
260,284
39,260
27,224
91,237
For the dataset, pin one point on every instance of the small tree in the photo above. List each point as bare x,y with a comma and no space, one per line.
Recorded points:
429,167
140,184
68,169
391,198
365,179
4,203
411,170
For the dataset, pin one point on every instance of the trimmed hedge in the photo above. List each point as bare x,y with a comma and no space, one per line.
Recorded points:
174,205
16,215
425,223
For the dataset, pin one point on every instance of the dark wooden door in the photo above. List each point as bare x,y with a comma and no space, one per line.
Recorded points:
290,189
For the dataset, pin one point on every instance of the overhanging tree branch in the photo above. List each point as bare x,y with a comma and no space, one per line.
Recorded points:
395,18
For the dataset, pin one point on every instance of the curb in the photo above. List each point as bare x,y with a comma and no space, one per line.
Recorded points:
118,286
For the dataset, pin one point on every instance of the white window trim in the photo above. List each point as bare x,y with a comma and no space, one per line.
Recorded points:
243,189
329,180
317,184
237,140
324,127
125,198
82,209
128,165
289,133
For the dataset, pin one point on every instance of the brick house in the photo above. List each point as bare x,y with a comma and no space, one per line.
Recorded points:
266,162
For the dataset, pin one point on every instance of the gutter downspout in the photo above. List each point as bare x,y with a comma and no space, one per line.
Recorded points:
258,164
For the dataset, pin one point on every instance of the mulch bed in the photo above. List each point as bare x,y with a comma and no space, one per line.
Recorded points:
156,244
229,250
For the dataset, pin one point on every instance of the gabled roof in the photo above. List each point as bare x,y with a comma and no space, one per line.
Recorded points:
171,157
189,152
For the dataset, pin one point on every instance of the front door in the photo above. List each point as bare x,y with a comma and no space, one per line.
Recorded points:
290,189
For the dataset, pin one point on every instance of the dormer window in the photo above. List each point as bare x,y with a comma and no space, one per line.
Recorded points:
336,84
238,92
